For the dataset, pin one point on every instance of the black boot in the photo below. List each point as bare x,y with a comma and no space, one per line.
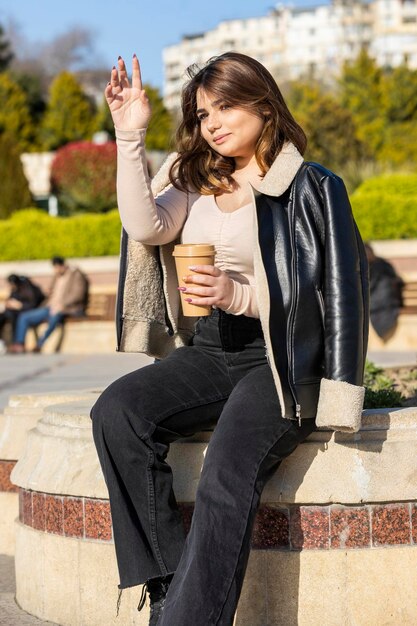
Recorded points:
157,589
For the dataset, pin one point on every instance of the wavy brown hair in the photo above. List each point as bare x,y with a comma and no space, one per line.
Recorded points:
243,82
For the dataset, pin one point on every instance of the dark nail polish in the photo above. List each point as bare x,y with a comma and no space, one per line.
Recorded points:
119,57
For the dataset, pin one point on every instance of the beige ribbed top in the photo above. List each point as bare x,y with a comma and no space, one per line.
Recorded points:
192,216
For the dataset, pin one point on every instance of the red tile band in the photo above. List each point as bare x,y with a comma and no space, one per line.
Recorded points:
391,524
293,527
97,521
5,471
73,517
414,522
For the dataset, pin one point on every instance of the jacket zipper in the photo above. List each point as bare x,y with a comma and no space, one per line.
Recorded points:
121,288
265,322
290,333
321,303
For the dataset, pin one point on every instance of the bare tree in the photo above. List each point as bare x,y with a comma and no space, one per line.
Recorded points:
71,50
6,54
68,51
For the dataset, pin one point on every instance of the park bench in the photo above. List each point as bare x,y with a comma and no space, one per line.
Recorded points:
404,336
409,298
101,306
97,325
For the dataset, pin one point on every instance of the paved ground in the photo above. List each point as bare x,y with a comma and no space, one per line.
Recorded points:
33,373
10,613
37,373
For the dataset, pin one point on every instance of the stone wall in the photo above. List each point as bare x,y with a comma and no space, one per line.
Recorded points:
335,540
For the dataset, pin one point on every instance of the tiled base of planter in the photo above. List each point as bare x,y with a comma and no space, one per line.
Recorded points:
291,527
6,468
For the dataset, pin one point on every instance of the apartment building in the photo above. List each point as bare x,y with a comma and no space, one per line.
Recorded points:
303,42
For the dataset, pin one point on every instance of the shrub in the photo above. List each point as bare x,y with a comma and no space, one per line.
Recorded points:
15,113
379,389
83,176
33,234
70,115
15,192
384,207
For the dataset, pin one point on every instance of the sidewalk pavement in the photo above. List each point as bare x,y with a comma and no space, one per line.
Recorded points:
10,613
35,373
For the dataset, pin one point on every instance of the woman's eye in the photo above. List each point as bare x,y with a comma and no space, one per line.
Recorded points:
225,106
201,116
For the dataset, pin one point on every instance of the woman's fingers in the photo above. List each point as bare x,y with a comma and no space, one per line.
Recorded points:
108,93
123,78
136,75
112,86
212,270
200,279
114,77
203,275
199,291
202,301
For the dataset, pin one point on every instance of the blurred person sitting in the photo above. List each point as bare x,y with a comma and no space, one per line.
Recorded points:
24,295
68,296
385,294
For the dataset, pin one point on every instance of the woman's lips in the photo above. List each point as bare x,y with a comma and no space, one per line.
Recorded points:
221,138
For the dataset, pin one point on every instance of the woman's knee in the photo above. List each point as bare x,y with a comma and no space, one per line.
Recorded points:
118,411
110,408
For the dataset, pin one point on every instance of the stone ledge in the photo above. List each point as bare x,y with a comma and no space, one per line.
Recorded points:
376,464
305,527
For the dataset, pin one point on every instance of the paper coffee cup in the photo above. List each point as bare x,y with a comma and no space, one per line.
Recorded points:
192,254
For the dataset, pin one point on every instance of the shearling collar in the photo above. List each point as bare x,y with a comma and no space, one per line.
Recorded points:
282,171
277,180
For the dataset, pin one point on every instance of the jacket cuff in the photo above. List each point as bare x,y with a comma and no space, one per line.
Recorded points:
340,406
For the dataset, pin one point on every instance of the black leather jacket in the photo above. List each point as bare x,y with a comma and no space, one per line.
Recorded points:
311,280
317,277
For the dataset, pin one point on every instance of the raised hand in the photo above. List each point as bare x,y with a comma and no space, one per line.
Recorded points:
129,105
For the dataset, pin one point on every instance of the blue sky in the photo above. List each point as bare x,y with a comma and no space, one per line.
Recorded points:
127,26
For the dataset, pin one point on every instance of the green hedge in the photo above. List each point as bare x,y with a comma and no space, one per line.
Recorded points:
385,207
33,234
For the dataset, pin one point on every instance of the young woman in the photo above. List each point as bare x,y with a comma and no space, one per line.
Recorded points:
282,352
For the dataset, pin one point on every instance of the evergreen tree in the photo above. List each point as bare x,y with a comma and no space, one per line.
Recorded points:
14,112
31,84
400,95
329,127
159,135
69,116
6,54
399,148
104,120
15,192
362,93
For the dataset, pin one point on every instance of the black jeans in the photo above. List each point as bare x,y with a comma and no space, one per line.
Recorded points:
223,382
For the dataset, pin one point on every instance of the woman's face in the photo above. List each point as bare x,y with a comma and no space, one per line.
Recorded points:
230,131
